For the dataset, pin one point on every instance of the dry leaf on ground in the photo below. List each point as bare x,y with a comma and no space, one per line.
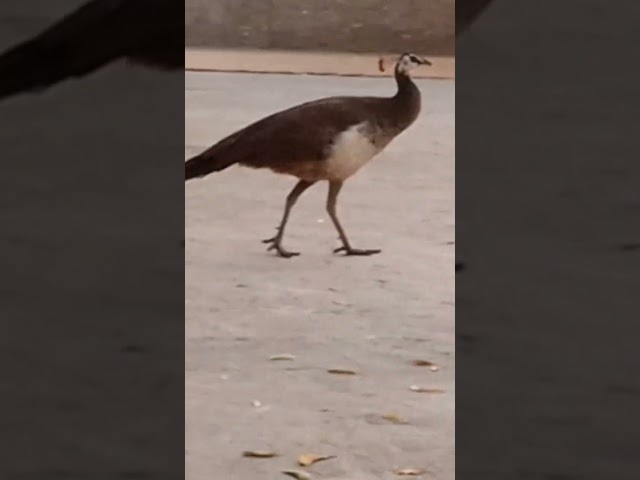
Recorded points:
341,371
418,389
297,474
282,357
411,472
426,363
307,459
394,418
259,454
423,363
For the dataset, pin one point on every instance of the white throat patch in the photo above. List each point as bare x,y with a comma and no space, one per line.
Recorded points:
405,64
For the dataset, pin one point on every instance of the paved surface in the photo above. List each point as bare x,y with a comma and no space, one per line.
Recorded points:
373,315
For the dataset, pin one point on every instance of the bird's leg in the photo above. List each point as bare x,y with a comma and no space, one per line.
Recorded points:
334,189
276,242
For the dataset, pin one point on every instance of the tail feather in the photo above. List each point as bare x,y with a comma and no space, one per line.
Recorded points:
202,165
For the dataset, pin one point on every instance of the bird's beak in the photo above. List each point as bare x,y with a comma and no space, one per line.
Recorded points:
424,61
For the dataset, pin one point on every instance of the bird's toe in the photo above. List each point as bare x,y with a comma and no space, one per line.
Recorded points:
348,251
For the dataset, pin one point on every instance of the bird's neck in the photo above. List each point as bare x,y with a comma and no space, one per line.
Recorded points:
406,87
408,98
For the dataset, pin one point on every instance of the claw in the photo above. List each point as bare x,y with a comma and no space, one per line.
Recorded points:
287,254
275,245
348,251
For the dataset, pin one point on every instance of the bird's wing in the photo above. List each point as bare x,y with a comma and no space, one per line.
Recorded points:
301,133
92,36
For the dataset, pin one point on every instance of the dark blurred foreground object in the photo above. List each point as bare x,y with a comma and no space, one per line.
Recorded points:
467,11
148,32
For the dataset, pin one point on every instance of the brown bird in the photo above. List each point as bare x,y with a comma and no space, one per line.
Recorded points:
328,139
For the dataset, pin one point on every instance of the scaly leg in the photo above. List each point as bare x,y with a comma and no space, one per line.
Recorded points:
276,242
334,189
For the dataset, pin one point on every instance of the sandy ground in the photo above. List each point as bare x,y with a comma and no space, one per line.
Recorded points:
374,315
319,63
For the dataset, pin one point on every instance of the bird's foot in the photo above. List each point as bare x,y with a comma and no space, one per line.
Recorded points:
275,245
348,251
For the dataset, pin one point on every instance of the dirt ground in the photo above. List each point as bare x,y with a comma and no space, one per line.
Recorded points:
374,315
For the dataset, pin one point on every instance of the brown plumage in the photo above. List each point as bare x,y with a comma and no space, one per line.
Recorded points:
327,139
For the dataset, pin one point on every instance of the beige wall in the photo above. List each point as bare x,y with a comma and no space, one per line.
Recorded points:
422,26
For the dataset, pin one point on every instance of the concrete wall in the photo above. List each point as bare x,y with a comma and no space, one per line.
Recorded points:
422,26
